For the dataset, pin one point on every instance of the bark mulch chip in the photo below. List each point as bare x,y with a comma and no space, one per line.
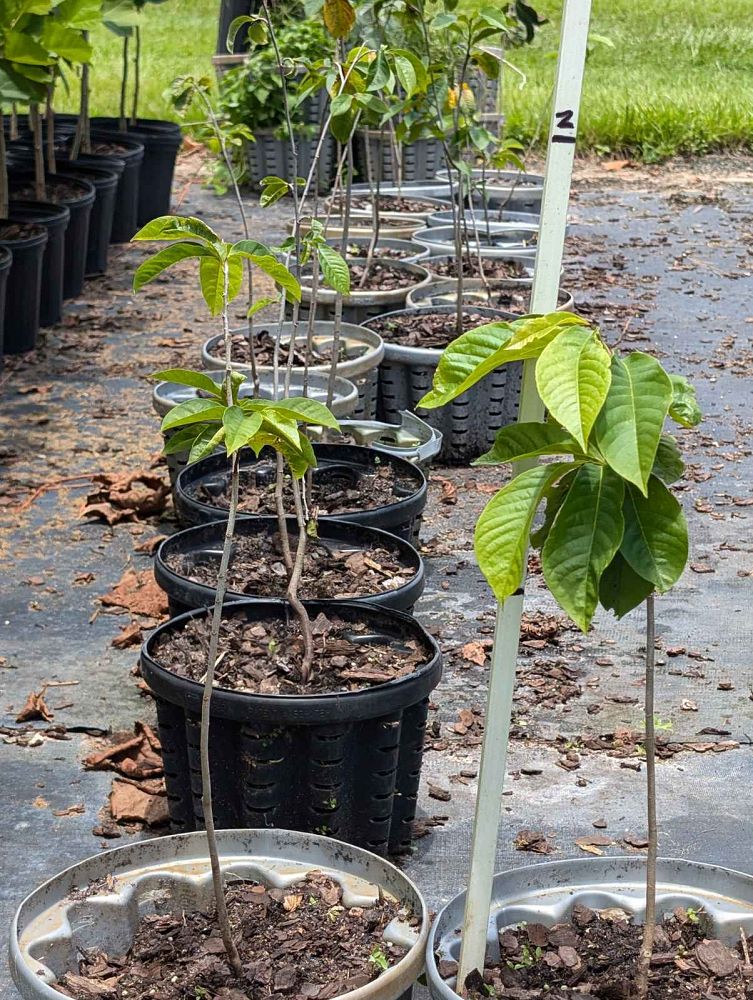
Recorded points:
257,567
471,269
265,657
595,957
299,942
381,277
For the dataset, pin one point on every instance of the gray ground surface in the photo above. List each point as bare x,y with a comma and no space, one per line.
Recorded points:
667,267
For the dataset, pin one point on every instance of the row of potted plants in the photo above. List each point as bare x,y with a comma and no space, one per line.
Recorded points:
69,185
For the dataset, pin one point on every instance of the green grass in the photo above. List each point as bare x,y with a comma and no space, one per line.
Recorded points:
678,80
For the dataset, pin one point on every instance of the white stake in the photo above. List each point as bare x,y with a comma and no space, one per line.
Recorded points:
558,175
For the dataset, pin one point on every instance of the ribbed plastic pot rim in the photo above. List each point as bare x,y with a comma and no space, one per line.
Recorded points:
424,297
33,239
441,240
417,253
365,296
43,916
350,367
547,892
43,212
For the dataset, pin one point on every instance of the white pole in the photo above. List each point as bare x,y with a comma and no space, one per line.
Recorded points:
558,175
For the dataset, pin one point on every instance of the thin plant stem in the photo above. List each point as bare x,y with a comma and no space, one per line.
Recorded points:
223,919
82,140
123,123
50,123
136,76
13,121
294,582
40,192
281,518
3,169
374,186
649,926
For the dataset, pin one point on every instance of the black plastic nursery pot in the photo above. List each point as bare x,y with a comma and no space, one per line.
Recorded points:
55,219
26,243
162,140
346,464
469,423
203,543
6,260
345,763
80,202
105,181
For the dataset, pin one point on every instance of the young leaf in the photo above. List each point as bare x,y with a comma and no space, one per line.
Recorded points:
257,30
334,269
554,496
668,464
239,427
310,411
206,443
655,543
212,278
339,17
503,529
684,409
272,189
184,376
572,376
193,411
629,426
279,273
183,439
282,427
620,587
586,533
175,227
262,303
527,440
250,248
159,262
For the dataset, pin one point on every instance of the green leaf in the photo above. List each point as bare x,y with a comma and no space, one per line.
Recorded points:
183,439
174,227
272,189
503,529
184,376
310,411
554,496
339,17
163,259
684,409
334,269
410,71
629,425
212,278
621,589
586,534
65,42
262,303
279,273
16,86
283,428
82,14
22,48
572,376
206,443
668,464
240,427
527,440
193,411
655,543
257,30
250,248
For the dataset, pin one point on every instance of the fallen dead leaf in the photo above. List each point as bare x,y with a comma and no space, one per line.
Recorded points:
533,841
127,496
35,708
138,593
151,544
474,652
449,493
687,705
131,804
129,636
75,810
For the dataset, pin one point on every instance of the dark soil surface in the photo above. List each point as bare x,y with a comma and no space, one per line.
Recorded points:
339,490
425,329
492,268
265,658
102,148
19,231
505,299
264,343
382,277
388,203
58,192
257,568
299,942
361,250
596,958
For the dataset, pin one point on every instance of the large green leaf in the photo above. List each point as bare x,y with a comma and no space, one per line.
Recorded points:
206,443
283,427
65,42
620,587
554,496
629,425
175,227
240,427
503,529
212,278
16,86
84,15
684,408
334,269
586,533
183,439
19,47
668,464
251,248
572,376
279,273
310,411
184,376
527,440
655,542
193,411
163,259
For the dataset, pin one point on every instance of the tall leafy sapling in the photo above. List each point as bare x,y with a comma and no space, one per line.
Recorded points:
613,532
221,417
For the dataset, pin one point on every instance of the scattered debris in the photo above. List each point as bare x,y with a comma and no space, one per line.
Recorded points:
126,496
138,593
533,841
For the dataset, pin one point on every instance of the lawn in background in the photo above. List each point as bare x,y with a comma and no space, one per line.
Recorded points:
679,78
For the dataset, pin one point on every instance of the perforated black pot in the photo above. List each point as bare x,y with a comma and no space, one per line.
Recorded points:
161,140
346,763
23,289
55,219
402,517
203,543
